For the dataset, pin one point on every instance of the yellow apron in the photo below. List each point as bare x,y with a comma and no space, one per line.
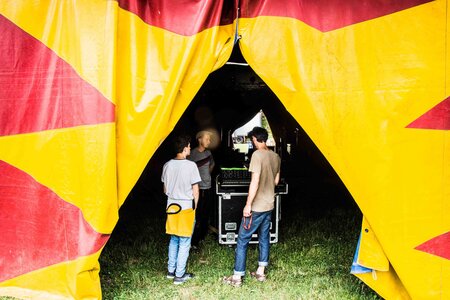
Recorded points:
180,222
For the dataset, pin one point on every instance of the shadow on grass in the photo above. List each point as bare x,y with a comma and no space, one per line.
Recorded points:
311,260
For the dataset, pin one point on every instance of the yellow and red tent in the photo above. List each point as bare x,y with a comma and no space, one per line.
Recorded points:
90,88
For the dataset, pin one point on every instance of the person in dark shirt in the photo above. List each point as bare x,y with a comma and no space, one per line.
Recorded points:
205,163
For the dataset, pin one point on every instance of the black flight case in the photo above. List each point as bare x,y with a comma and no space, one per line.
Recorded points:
232,189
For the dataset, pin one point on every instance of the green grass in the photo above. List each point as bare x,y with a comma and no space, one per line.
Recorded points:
318,233
311,261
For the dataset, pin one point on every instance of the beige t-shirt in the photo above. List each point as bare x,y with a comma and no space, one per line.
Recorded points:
267,164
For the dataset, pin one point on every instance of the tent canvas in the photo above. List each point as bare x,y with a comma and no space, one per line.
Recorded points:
91,88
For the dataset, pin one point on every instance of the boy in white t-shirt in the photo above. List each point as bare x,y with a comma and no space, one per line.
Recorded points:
180,177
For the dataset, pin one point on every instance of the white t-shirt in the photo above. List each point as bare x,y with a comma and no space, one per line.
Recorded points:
178,176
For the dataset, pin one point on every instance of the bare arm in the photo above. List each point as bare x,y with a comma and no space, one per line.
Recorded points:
165,189
196,192
254,184
277,178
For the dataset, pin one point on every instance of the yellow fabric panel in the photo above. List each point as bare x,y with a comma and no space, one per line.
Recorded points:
81,32
77,163
445,292
446,175
371,254
387,284
51,283
181,223
158,74
354,90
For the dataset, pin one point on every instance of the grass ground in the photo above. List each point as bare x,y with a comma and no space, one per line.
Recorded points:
318,233
311,260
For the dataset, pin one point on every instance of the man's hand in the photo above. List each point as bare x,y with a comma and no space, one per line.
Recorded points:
247,210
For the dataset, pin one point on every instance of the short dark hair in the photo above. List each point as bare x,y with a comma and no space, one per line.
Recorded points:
259,133
180,142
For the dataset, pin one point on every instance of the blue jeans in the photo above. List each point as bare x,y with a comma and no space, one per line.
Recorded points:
260,222
178,254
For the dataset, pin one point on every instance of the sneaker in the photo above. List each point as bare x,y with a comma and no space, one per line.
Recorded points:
170,275
183,279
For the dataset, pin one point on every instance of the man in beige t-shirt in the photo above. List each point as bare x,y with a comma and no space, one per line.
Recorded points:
266,163
265,169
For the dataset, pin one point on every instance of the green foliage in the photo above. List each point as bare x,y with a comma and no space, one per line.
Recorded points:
311,261
265,124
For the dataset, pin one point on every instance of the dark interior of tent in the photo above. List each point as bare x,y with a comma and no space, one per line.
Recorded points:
228,99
